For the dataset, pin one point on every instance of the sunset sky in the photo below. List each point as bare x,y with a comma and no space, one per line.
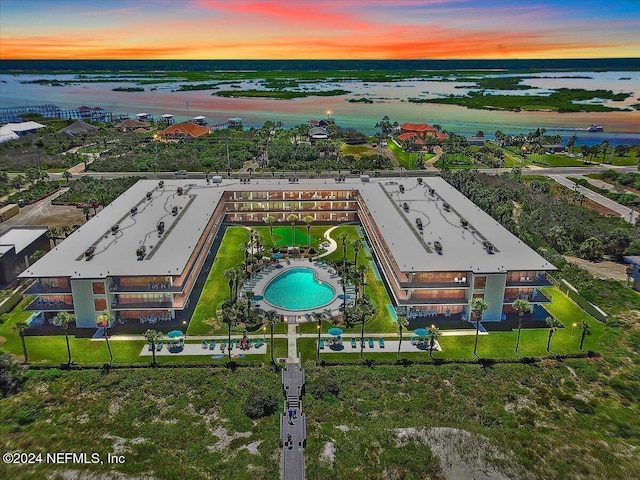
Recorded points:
320,29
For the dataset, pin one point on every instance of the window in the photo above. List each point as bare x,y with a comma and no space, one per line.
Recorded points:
479,283
99,304
98,288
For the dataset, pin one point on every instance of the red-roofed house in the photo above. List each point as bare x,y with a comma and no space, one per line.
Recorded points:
130,125
183,131
422,130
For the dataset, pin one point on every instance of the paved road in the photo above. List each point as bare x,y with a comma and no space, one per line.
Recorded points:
625,212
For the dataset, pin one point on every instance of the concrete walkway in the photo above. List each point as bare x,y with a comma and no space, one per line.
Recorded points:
293,428
625,212
292,345
333,245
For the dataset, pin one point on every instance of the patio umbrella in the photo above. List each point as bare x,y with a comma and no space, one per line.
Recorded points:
257,298
335,331
421,332
175,334
277,255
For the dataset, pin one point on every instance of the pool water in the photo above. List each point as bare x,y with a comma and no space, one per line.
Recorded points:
298,289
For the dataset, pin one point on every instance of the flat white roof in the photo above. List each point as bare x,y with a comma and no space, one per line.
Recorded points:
168,254
20,238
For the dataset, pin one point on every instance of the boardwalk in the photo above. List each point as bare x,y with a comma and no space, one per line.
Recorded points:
293,428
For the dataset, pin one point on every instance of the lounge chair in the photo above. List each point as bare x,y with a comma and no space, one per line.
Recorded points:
182,342
321,344
159,345
414,341
370,342
231,344
223,345
150,347
204,344
259,343
381,342
212,344
353,343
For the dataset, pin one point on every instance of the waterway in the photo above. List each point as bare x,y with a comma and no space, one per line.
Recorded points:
389,99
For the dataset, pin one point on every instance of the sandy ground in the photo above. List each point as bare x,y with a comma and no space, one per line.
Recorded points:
45,214
604,269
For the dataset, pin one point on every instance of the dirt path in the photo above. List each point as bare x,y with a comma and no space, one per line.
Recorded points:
45,214
604,269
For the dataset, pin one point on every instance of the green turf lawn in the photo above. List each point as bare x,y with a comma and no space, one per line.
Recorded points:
406,159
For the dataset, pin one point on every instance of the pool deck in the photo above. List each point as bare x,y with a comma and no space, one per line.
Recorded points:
324,274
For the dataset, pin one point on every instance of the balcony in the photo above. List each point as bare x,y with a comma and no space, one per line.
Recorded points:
150,288
142,306
430,285
38,287
537,281
536,297
435,301
49,306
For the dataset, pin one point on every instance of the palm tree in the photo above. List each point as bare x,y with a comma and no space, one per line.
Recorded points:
239,276
63,319
229,317
522,306
269,220
344,238
434,334
271,317
66,175
402,323
361,270
308,220
152,337
553,324
317,316
585,331
478,305
230,275
357,245
292,219
105,320
20,327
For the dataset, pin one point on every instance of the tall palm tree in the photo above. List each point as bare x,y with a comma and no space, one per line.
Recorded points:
361,270
271,317
434,334
105,320
63,319
269,220
230,274
20,327
239,276
357,245
402,323
229,317
553,324
344,238
478,305
522,306
308,220
585,331
152,337
317,316
292,219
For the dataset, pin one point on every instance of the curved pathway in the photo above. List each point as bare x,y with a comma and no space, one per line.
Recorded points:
333,245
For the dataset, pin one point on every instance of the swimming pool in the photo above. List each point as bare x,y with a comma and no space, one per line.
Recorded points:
298,289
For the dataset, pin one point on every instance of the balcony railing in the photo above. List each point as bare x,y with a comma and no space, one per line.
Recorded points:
538,281
428,285
435,301
150,288
142,306
46,306
532,297
37,288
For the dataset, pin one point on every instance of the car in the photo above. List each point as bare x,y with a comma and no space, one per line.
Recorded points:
180,173
355,172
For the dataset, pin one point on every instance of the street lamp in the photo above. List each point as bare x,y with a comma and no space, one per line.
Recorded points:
264,333
318,345
573,328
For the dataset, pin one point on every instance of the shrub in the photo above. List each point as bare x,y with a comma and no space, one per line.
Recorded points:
260,403
323,385
26,415
11,375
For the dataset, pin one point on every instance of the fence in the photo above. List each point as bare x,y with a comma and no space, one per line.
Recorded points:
569,290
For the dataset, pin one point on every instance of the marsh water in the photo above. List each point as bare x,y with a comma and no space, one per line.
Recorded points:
389,98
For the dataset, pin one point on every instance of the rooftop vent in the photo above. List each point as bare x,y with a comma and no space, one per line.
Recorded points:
89,252
432,192
446,206
419,223
293,180
401,187
216,179
141,252
438,247
161,183
115,229
149,195
180,191
488,246
464,223
174,211
134,210
160,228
419,179
339,179
405,206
